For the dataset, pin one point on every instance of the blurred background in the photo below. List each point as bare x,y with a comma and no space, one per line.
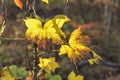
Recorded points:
99,18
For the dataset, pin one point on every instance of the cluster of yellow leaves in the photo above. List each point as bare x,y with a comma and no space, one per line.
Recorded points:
75,49
72,76
51,30
49,65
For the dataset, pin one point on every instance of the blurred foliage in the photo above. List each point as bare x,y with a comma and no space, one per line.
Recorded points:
80,11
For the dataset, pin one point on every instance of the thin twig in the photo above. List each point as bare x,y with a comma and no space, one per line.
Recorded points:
13,39
33,7
103,63
28,59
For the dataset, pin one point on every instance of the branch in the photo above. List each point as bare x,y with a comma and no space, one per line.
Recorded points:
111,64
103,63
13,39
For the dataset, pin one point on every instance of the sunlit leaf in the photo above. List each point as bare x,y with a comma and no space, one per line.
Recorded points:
59,20
29,23
75,50
34,26
74,36
64,49
49,65
72,76
46,1
50,30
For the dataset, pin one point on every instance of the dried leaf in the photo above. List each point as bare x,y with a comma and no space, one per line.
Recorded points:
30,77
20,3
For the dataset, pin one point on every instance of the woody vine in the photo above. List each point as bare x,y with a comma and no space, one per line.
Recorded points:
45,34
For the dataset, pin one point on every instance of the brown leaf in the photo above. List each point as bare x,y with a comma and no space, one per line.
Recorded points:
30,77
1,19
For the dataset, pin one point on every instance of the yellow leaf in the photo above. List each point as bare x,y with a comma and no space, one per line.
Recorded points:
74,35
79,77
72,76
6,75
75,50
49,65
96,58
64,49
48,24
50,31
32,23
59,20
91,61
46,1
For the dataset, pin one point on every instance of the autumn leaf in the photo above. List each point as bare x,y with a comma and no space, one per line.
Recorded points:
46,1
51,30
6,74
72,76
19,3
30,77
75,50
96,58
49,65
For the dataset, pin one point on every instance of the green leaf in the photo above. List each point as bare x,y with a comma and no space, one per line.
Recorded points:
13,70
18,73
56,77
53,77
